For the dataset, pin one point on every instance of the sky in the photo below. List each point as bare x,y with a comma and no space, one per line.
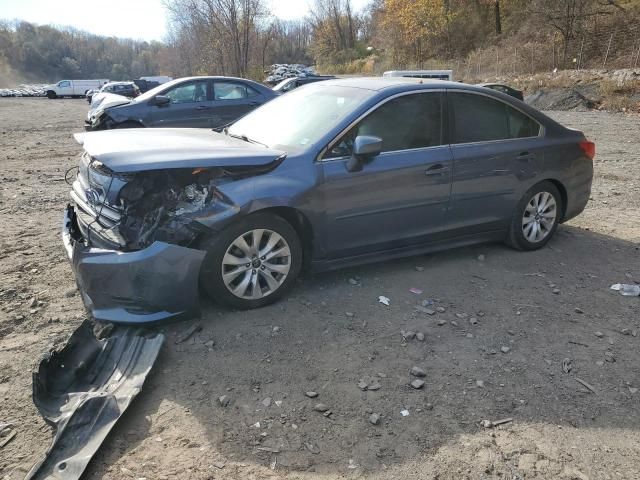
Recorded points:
138,19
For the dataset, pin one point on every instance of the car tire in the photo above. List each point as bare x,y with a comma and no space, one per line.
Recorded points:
536,217
51,95
263,279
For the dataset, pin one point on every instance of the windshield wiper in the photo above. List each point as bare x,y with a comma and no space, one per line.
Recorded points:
245,138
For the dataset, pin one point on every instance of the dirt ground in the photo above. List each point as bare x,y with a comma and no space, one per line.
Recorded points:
540,308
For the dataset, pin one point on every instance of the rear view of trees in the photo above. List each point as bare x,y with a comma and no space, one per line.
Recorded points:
43,53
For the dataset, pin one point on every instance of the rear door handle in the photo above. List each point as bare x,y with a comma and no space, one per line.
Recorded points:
255,104
437,169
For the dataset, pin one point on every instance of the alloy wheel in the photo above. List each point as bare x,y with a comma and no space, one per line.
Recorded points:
539,217
256,264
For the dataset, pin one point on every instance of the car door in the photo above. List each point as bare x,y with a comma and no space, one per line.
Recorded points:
188,106
400,197
496,148
65,88
231,100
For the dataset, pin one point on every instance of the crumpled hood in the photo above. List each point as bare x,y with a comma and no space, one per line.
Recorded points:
142,149
106,100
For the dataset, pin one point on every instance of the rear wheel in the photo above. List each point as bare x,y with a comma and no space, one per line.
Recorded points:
536,217
252,263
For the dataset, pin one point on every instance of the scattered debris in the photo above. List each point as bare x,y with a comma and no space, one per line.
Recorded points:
426,310
349,314
505,349
408,335
417,383
89,379
631,390
267,402
585,384
419,269
480,383
7,436
219,465
567,366
224,401
578,310
625,331
417,291
481,258
441,322
209,344
374,419
441,309
599,334
384,300
555,291
420,336
417,372
495,423
185,335
354,282
311,394
626,289
321,407
404,413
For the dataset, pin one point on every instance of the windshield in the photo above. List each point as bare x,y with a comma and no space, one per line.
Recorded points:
301,117
281,85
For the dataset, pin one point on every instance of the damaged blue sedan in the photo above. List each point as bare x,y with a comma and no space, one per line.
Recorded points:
337,173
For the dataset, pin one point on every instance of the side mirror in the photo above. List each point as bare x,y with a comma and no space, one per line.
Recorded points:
160,100
364,147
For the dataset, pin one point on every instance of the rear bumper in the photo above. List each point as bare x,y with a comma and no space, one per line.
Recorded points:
157,283
578,189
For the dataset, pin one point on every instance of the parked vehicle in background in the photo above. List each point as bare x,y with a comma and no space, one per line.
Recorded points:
126,89
160,79
202,102
337,173
293,83
430,74
506,89
145,85
73,88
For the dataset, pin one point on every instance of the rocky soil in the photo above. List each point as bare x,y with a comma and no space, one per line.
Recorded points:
320,385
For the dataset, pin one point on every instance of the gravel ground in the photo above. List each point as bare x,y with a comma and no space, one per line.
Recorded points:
494,350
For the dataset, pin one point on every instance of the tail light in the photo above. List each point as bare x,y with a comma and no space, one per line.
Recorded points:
589,148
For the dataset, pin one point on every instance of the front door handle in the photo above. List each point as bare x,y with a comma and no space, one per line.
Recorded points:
202,107
437,169
254,104
526,156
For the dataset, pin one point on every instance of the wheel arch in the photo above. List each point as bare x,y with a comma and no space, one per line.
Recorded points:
563,194
301,225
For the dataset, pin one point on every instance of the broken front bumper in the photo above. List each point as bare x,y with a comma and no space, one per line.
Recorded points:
156,283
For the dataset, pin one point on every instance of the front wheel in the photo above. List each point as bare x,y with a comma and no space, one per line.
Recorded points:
51,95
252,263
536,217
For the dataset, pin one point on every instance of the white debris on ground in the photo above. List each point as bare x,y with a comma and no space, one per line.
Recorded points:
280,71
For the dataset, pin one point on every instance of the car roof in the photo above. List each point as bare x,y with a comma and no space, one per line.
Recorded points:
400,83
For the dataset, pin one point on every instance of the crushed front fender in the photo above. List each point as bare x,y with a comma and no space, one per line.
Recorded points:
84,388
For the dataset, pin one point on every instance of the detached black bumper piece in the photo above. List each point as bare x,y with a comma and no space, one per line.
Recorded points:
83,389
157,283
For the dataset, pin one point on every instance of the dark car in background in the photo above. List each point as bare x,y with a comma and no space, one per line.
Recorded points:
292,83
337,173
506,89
145,85
126,89
197,102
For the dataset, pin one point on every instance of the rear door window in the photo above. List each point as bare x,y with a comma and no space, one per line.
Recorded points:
227,90
478,118
404,123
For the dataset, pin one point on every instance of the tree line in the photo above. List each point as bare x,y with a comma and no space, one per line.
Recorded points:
242,38
33,53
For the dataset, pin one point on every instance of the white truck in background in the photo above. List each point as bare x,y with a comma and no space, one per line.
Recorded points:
73,88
